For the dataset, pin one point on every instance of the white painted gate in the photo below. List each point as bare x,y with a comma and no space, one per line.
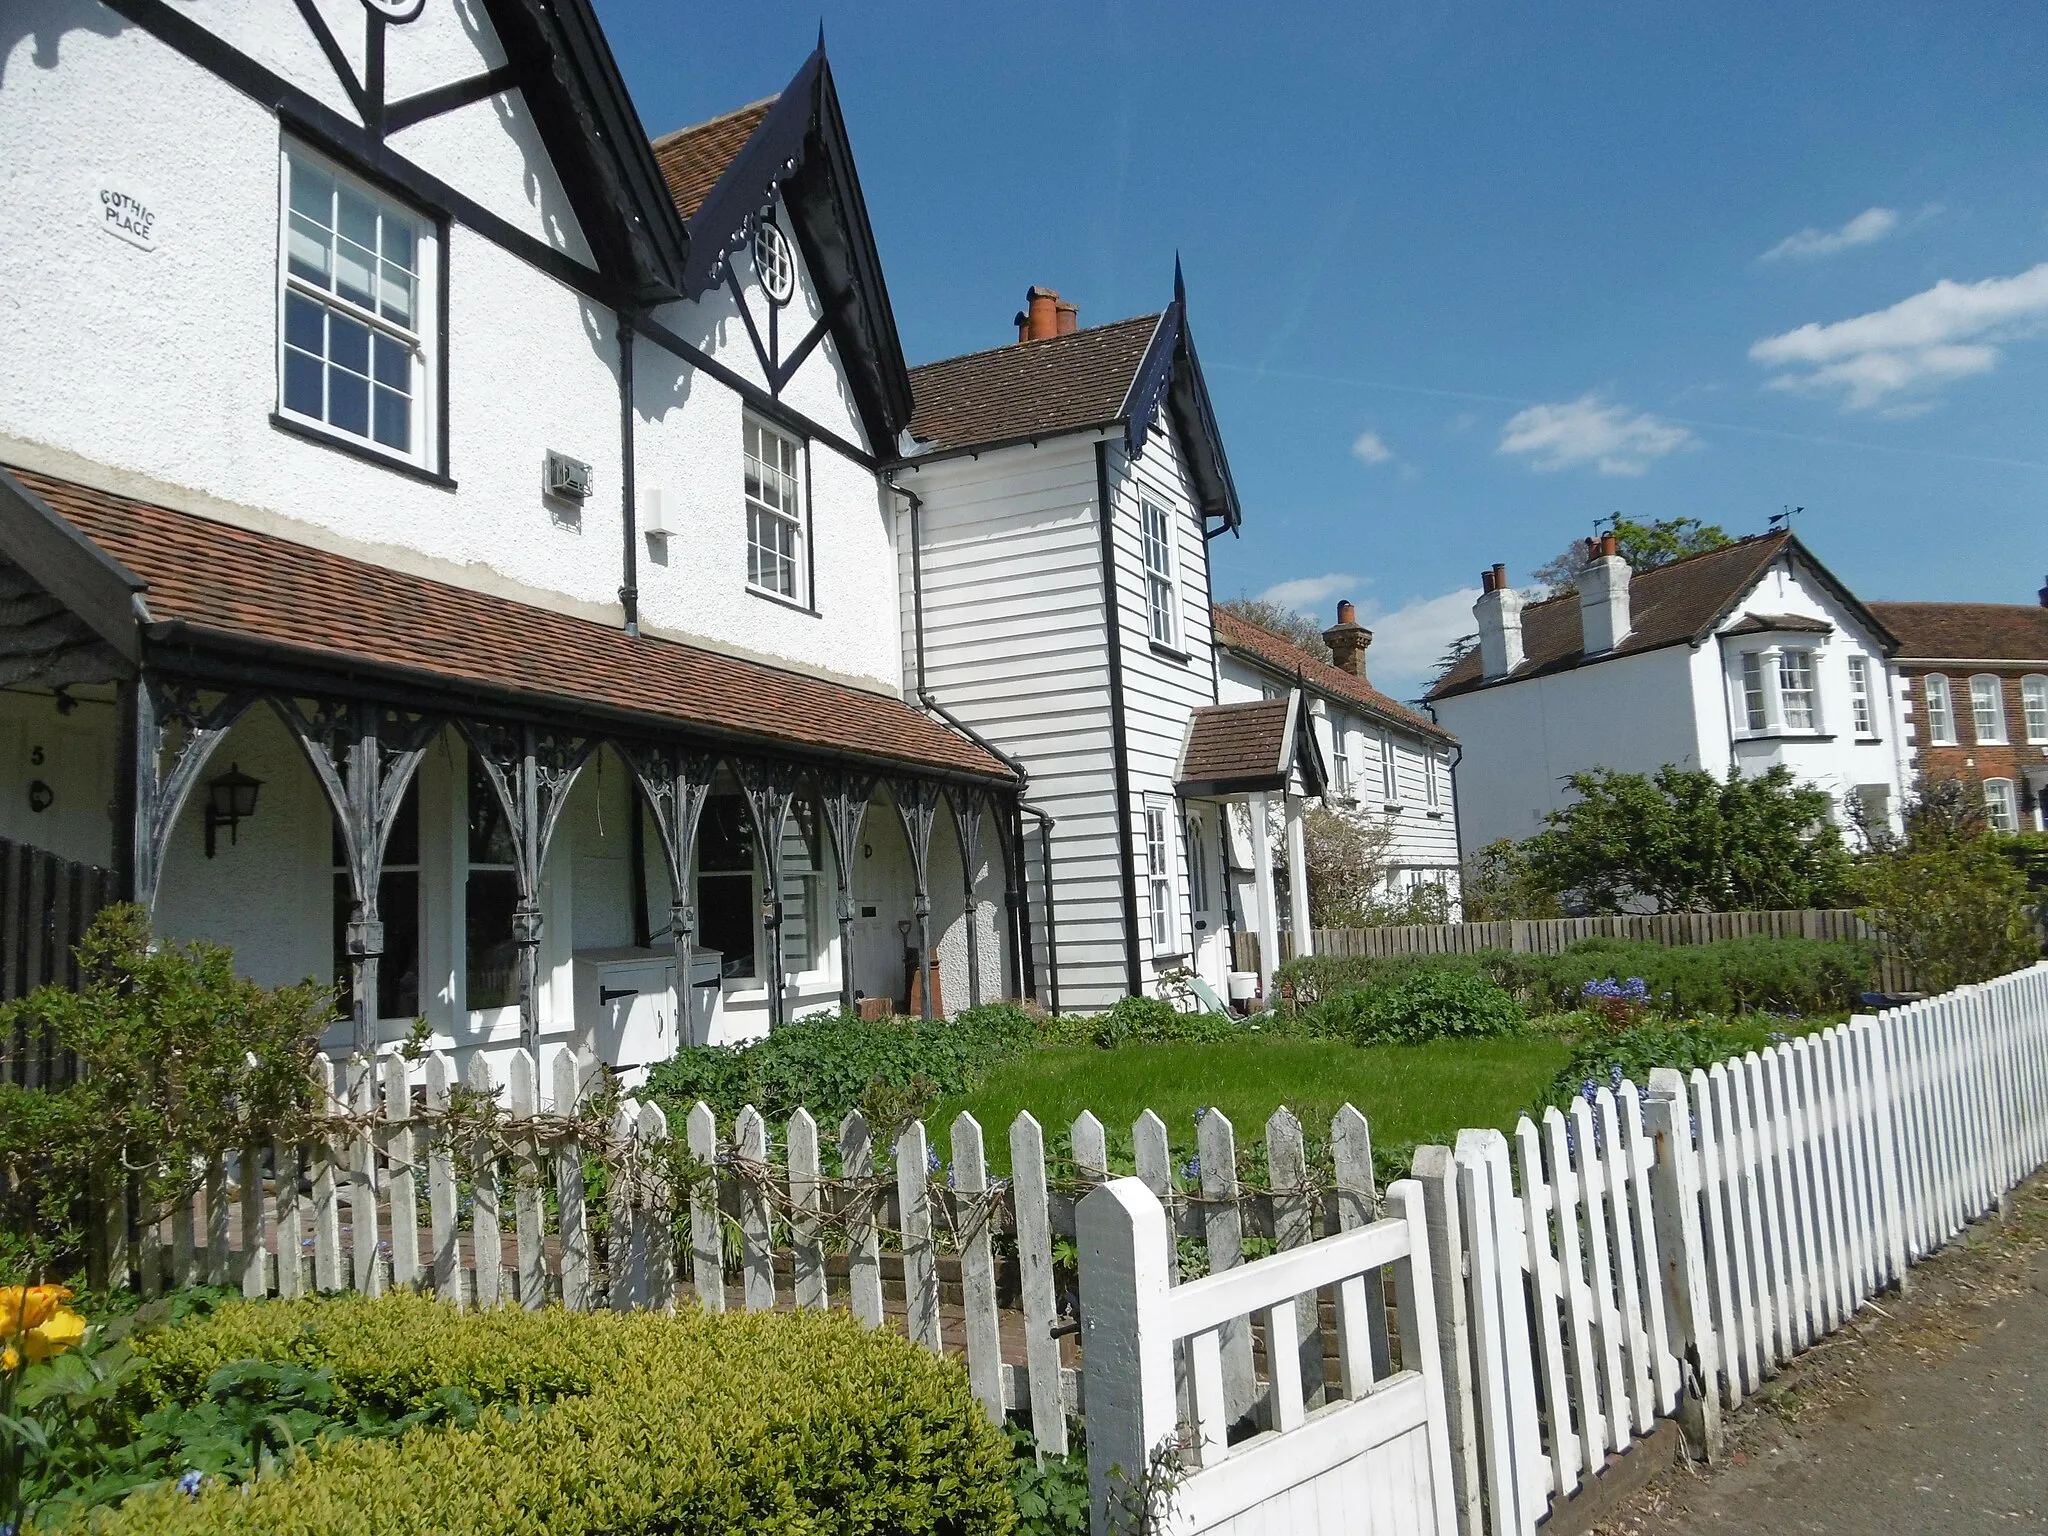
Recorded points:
1372,1460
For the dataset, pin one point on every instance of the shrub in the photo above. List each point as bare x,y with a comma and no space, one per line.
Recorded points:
174,1048
1154,1021
835,1063
774,1422
1605,1060
1429,1005
1801,976
1952,914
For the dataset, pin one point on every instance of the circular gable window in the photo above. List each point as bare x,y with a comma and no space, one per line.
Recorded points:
774,263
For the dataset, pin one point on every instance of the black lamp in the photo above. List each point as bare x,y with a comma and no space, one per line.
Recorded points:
229,797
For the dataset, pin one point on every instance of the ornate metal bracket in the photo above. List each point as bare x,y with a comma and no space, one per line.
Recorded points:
771,789
966,805
162,789
845,797
917,804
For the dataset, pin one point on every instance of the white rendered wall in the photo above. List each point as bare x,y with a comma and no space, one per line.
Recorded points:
154,372
73,757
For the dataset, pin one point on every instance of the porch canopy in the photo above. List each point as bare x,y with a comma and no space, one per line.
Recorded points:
1252,747
198,621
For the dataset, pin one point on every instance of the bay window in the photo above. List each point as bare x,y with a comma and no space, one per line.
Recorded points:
1755,712
1798,707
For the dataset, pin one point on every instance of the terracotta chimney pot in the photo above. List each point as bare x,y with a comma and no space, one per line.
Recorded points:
1486,580
1500,575
1609,544
1041,314
1069,318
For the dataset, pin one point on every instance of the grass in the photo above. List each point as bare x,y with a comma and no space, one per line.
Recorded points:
1408,1093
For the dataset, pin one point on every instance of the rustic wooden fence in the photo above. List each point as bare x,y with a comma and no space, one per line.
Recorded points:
46,904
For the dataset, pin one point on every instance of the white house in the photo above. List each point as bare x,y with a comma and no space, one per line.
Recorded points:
385,420
1735,661
1059,497
1386,763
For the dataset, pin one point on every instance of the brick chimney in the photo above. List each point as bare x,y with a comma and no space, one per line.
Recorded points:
1347,640
1499,614
1040,318
1603,596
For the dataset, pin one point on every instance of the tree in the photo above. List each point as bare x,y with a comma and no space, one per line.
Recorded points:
1498,884
1347,865
1686,841
1952,914
1645,546
1455,652
1293,626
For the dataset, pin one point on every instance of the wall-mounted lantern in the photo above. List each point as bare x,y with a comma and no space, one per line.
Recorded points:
229,797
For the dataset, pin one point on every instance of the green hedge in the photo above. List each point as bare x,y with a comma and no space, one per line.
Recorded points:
1141,1021
833,1063
1801,976
1439,1004
764,1422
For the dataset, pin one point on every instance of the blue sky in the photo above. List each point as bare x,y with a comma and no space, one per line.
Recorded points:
1465,278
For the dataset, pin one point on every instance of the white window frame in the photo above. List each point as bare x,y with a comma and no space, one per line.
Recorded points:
1156,536
1937,702
1340,761
1987,701
1431,766
1390,769
1862,700
2034,707
419,339
1159,876
1799,704
2001,805
1756,692
766,563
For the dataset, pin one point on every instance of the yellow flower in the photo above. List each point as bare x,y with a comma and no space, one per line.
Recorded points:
29,1306
9,1359
66,1330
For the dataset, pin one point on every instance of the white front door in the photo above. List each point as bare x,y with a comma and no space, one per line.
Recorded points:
1206,874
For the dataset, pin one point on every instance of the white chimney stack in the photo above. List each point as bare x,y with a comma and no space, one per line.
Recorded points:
1499,613
1603,597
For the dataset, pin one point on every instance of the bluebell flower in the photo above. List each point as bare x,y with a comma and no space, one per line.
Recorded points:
1614,1078
931,1158
1192,1168
1199,1112
1590,1091
1779,1037
189,1484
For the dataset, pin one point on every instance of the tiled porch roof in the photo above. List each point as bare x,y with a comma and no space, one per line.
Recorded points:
1251,745
332,610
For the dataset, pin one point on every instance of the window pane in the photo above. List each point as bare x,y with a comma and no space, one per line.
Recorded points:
393,422
302,384
353,266
728,922
490,837
357,219
398,243
396,295
304,324
348,343
492,963
312,192
348,401
394,364
308,244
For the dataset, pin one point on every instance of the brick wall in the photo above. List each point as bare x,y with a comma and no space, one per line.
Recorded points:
1969,759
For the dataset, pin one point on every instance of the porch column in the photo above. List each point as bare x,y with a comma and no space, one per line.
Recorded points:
365,756
1297,878
532,768
917,803
966,806
675,784
1262,877
771,789
846,798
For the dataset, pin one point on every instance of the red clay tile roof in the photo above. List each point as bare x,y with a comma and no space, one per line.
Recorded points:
1679,601
1967,631
692,159
258,586
1279,652
1229,743
1030,389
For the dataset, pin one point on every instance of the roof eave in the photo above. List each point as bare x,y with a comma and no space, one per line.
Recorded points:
92,585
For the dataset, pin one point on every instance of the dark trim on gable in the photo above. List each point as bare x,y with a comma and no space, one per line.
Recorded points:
400,115
1119,749
1172,374
800,152
756,397
91,584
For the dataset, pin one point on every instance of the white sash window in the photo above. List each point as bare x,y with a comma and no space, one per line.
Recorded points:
775,517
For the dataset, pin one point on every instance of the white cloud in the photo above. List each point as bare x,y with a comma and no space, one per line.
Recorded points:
1408,641
1947,332
1371,449
1589,430
1869,226
1306,594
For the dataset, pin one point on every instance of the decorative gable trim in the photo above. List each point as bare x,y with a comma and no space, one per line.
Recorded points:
1172,374
801,154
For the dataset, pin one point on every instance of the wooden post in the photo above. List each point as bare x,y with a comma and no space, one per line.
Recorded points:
1041,1305
440,1189
625,1249
657,1287
1224,1231
1415,1294
806,1222
1436,1171
326,1200
364,1242
529,1215
863,1247
1122,1239
1357,1196
978,1267
1578,1298
488,1252
400,1146
707,1245
1546,1290
750,1172
920,1258
573,1219
1293,1227
1675,1200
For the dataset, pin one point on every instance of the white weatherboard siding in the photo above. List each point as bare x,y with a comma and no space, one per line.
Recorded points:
1015,646
154,372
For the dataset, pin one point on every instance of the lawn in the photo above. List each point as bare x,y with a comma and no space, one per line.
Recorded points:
1409,1093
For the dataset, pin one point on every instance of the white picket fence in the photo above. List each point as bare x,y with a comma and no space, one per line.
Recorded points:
1638,1257
1661,1254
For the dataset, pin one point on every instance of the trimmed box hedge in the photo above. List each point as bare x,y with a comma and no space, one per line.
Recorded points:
765,1422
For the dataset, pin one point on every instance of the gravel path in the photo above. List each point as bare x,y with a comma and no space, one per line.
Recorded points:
1928,1417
